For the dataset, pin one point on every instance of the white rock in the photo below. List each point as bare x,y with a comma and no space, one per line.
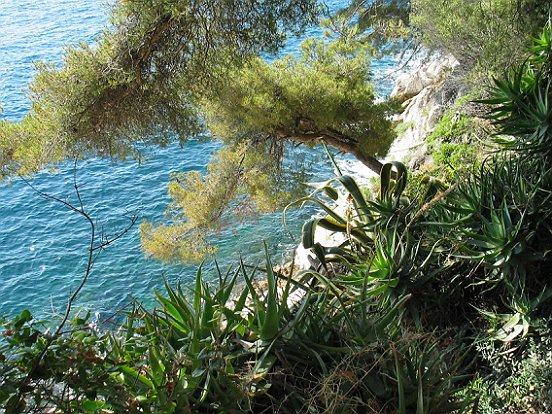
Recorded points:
411,84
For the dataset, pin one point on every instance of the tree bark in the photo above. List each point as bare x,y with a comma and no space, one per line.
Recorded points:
371,162
337,140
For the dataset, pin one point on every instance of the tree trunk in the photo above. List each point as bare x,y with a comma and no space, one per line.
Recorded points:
337,140
371,162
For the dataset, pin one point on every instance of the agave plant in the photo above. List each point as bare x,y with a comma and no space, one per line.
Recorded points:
521,102
209,349
360,217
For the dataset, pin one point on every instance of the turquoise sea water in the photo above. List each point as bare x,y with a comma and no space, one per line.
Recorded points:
43,246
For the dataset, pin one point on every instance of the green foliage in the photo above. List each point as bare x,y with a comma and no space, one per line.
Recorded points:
456,144
77,362
385,262
196,351
241,182
375,337
502,213
427,286
208,351
521,108
166,69
452,127
485,36
526,378
237,347
255,111
475,250
325,94
472,253
140,81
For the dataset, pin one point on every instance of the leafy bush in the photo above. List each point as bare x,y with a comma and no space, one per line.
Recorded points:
74,374
457,143
525,378
485,36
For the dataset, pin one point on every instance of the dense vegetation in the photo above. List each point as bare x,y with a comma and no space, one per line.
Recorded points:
436,301
175,69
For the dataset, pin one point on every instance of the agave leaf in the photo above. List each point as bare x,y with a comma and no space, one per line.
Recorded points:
169,308
388,189
197,291
178,299
329,224
400,383
516,331
321,204
226,288
130,375
240,303
207,319
358,198
257,302
344,311
283,309
420,400
320,254
331,193
156,365
265,363
298,316
271,323
513,321
308,232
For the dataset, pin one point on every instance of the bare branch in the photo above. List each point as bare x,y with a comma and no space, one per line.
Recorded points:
89,263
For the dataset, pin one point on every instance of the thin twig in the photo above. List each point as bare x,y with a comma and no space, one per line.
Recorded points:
89,264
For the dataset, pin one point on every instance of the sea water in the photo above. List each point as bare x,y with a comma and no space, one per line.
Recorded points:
43,245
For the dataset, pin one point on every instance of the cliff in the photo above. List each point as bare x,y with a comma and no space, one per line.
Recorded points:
425,93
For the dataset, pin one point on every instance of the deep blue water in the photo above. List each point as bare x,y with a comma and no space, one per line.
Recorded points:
43,246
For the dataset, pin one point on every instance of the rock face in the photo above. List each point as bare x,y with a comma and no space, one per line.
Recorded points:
410,84
424,93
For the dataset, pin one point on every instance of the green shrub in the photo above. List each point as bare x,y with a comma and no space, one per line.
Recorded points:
485,36
524,377
456,144
75,373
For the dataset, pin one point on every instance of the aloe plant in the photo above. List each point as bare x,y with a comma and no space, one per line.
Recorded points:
521,102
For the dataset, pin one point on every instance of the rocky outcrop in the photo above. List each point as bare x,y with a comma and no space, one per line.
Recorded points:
410,84
424,93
